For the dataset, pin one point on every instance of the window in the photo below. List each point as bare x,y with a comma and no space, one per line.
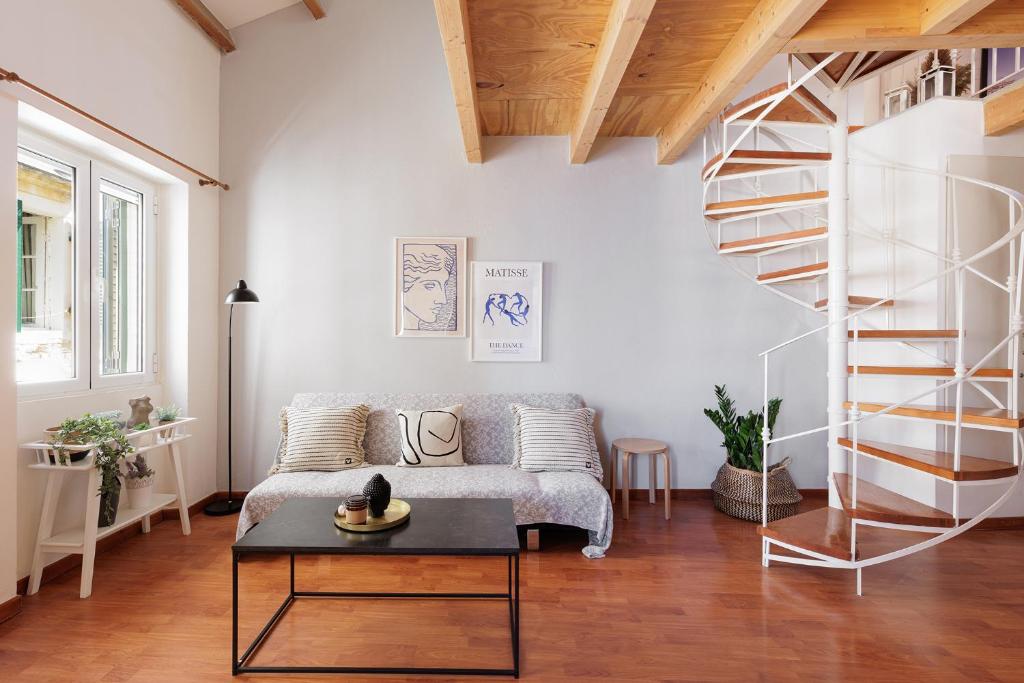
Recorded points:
85,281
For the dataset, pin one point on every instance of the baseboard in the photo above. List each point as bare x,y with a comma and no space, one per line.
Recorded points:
68,563
10,609
705,494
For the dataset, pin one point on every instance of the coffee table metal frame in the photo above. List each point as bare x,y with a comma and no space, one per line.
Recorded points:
239,664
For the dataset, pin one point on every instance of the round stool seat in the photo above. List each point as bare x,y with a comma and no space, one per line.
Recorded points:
631,445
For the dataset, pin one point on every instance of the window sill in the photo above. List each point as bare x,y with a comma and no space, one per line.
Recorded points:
89,393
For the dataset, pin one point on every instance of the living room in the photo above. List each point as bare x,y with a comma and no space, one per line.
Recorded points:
557,260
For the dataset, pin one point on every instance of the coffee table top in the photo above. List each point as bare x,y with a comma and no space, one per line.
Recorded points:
437,526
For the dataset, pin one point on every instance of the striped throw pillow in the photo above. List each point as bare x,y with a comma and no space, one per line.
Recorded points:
322,439
548,440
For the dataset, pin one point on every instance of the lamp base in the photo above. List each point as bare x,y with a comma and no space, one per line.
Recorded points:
223,507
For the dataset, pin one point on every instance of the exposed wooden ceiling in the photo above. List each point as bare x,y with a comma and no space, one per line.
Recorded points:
555,67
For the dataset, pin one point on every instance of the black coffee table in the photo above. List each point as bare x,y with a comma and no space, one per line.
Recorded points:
438,526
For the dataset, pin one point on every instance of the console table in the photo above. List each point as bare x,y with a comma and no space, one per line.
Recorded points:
82,541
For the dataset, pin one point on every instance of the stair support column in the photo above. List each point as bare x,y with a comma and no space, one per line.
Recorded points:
838,290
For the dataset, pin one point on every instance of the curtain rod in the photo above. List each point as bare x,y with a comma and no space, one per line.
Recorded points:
204,179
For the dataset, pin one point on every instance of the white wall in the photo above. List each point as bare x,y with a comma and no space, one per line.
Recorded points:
8,399
144,67
342,134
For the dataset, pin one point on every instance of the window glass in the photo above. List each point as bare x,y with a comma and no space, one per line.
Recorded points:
121,285
46,221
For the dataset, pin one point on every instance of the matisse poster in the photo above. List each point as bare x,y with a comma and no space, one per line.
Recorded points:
507,311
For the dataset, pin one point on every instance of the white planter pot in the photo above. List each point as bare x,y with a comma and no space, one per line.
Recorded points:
140,492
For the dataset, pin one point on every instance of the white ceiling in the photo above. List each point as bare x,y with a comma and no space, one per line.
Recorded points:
234,13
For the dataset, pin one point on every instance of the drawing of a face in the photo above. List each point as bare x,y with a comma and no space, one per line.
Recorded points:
426,269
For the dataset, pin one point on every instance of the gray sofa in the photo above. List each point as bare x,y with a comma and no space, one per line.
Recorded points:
569,498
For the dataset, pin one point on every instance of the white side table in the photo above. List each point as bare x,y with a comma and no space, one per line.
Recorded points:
83,540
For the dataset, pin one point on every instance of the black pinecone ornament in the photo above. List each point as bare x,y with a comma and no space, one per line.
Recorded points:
378,493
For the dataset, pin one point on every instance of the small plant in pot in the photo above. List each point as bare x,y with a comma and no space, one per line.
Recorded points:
139,481
165,414
111,448
737,489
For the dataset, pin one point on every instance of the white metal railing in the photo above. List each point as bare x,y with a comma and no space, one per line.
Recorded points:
955,268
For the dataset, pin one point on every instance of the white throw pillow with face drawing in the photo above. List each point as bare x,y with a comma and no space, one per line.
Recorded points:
431,438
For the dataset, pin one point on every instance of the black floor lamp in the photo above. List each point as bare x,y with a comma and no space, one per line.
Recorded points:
241,294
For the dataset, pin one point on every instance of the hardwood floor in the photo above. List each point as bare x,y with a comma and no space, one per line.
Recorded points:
685,599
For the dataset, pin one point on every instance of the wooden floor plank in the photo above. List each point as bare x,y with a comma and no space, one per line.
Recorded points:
680,600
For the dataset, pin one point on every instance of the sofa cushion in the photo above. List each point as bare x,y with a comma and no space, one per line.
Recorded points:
431,438
556,440
568,498
322,439
486,426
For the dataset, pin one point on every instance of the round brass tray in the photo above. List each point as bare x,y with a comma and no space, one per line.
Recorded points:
396,513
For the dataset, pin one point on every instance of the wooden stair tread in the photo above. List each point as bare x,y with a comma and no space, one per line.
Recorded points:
756,244
938,463
825,531
928,371
905,334
991,417
808,271
877,504
855,302
755,203
746,160
800,107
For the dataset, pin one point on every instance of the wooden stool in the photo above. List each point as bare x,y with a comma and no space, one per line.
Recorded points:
630,447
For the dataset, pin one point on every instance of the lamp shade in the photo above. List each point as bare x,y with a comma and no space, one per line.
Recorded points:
241,294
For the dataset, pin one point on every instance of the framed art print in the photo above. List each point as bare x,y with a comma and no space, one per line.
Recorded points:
507,311
430,286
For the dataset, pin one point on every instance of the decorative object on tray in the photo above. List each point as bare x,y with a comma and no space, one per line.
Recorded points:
430,286
165,414
378,494
737,489
396,513
355,509
431,438
321,439
548,440
141,408
507,311
139,480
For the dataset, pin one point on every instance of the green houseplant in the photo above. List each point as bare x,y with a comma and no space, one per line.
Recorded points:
737,489
138,479
112,447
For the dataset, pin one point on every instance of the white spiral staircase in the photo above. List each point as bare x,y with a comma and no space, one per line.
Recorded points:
766,201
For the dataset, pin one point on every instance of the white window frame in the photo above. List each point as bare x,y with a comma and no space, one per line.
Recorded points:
135,183
80,315
88,224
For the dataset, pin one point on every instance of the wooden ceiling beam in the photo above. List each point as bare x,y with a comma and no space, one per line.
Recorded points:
626,22
204,18
1004,111
453,21
857,25
939,17
768,28
315,8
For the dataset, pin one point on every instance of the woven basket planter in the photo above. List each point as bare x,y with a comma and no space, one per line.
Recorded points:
737,492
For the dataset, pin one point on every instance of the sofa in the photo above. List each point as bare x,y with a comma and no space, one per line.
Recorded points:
567,498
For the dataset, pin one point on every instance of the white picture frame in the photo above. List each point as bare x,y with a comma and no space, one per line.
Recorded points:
508,311
430,286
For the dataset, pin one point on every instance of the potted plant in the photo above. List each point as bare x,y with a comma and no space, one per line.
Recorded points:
737,489
111,448
139,482
165,414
